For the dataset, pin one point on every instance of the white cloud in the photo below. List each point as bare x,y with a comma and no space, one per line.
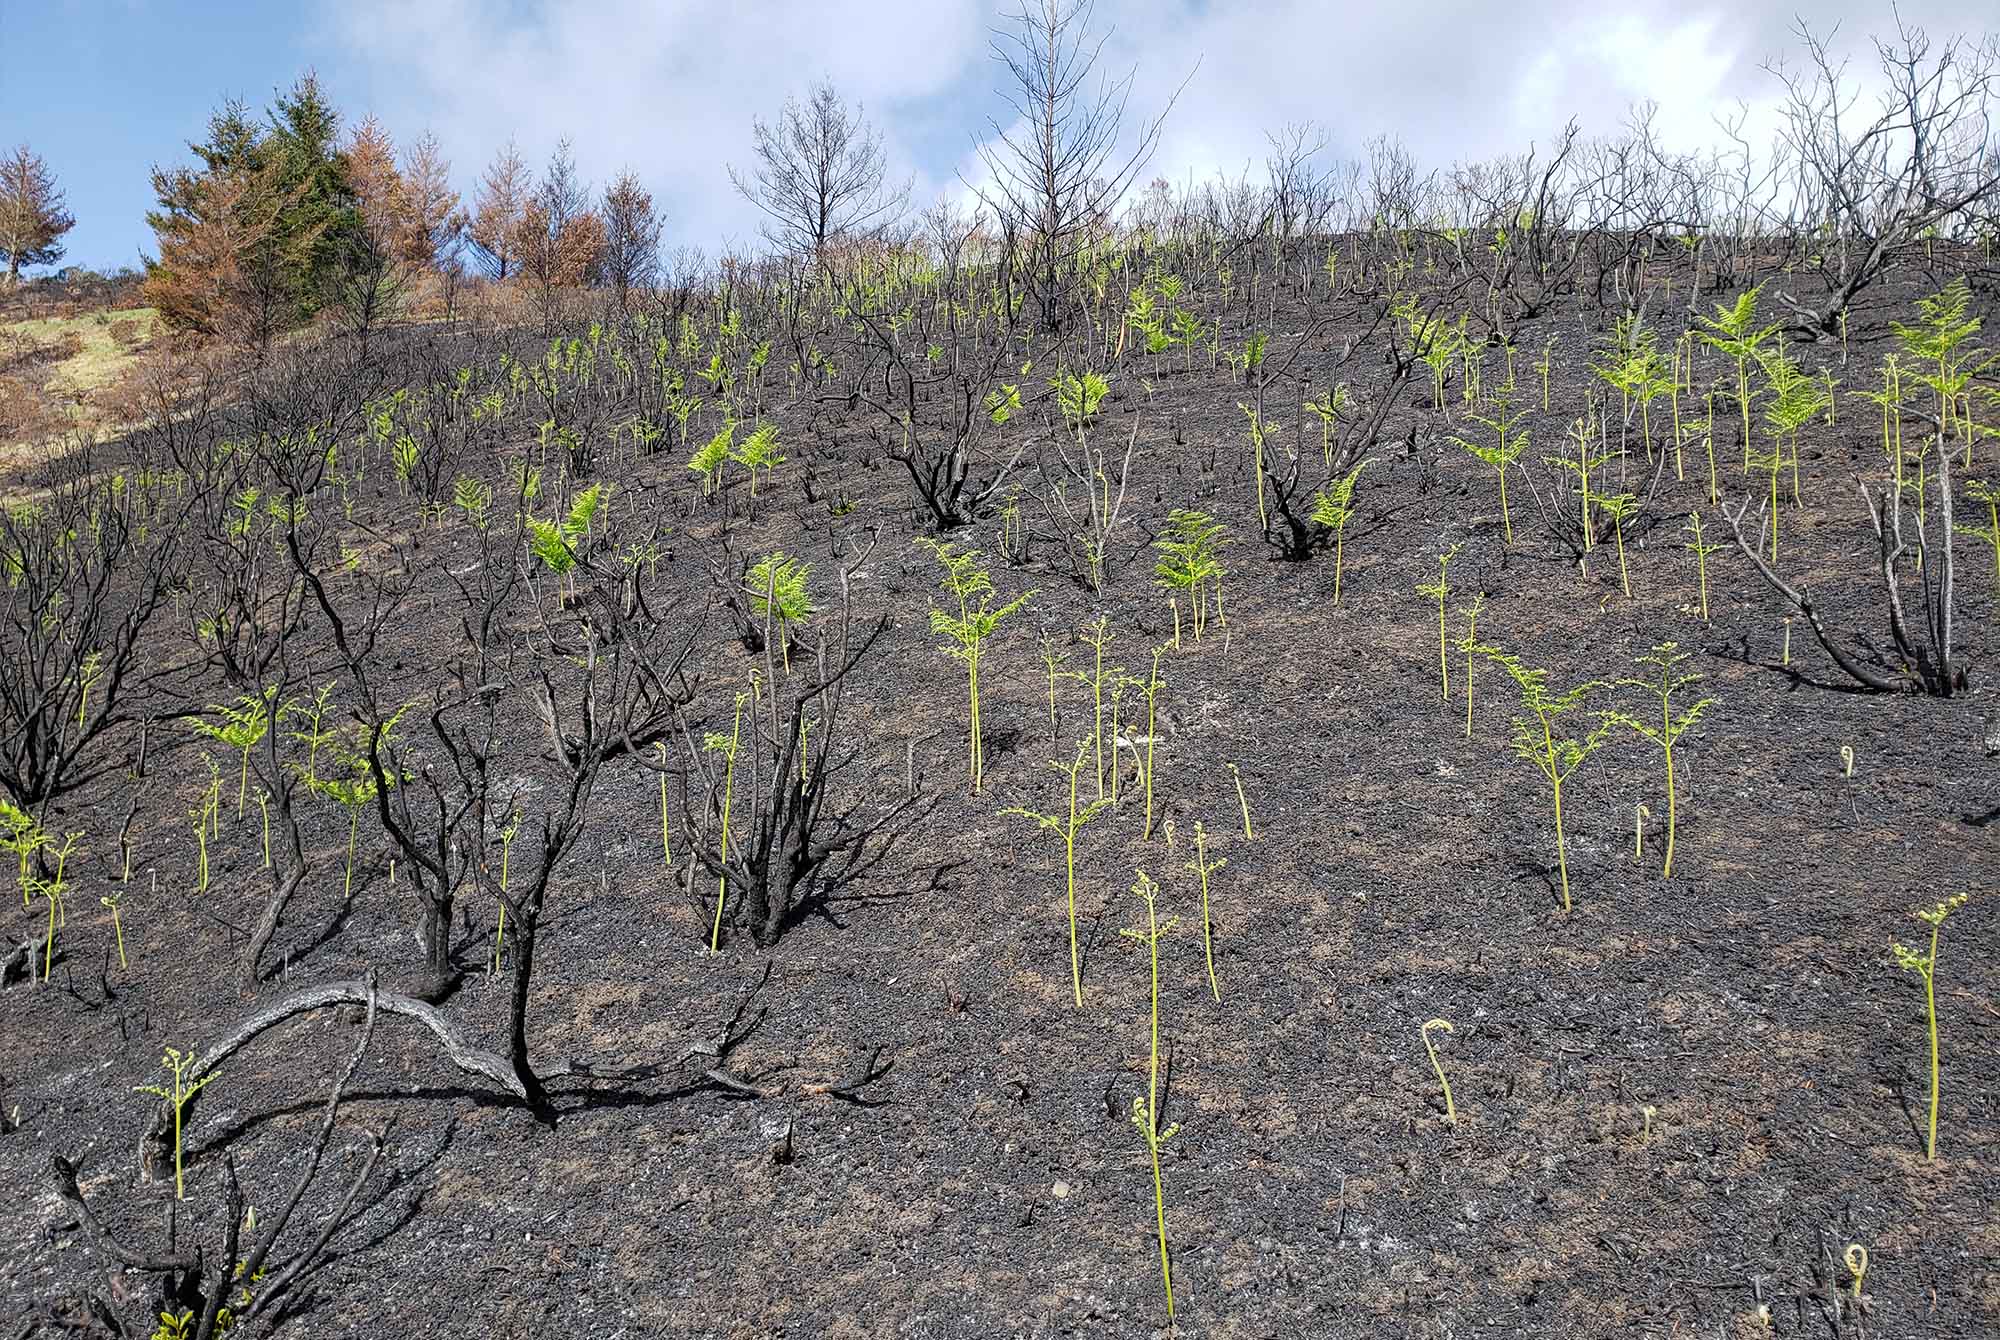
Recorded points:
669,89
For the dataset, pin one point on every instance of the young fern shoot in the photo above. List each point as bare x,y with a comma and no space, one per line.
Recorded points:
181,1065
1150,687
1555,756
1665,659
1203,868
1146,1108
242,727
1925,966
1438,591
1470,645
715,742
1067,828
1334,509
1190,561
1701,553
1243,801
777,590
971,589
1099,636
1506,449
1620,507
1439,1025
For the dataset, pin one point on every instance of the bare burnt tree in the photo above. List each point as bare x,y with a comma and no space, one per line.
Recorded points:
1525,208
619,704
935,414
1055,174
1397,200
796,830
434,810
1295,183
1083,487
247,623
85,579
1925,664
821,176
632,230
250,1277
444,381
1634,196
252,627
1295,477
1747,209
1923,162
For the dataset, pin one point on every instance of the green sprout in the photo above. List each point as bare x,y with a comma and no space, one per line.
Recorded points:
20,834
971,589
1508,446
1150,687
1733,331
1099,636
88,673
1260,429
1003,404
709,460
1470,645
716,743
1796,399
1701,553
1067,828
1581,432
1190,559
474,499
559,543
242,727
1438,591
1934,343
1334,509
1639,374
53,891
181,1065
1542,366
204,817
1620,507
1053,660
1665,659
778,587
1078,398
1203,867
1554,756
1989,534
759,451
1146,1107
1242,801
112,901
354,789
1444,1025
1925,966
507,832
1329,409
317,734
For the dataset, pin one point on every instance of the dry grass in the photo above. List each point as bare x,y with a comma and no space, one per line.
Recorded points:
58,372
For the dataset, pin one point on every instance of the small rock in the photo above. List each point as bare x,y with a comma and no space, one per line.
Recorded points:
1060,1190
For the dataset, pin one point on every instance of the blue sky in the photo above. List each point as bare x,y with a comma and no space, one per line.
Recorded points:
105,90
